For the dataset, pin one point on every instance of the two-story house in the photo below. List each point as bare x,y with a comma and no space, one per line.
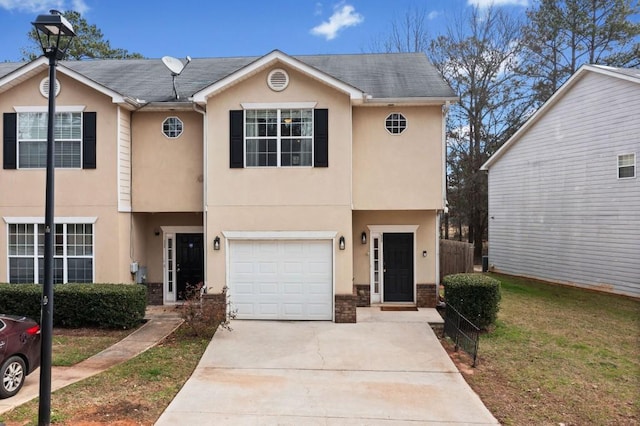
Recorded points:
303,185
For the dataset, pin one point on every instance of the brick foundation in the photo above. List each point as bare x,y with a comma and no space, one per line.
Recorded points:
154,294
345,308
363,294
426,295
218,302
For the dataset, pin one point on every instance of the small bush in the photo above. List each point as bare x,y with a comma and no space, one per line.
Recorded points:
112,306
475,296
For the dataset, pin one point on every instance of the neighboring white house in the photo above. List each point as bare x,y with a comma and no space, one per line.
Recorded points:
564,191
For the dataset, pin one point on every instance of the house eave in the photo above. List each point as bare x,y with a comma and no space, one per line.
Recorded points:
409,101
167,106
266,61
37,66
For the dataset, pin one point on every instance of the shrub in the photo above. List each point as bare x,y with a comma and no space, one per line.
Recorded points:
79,305
475,296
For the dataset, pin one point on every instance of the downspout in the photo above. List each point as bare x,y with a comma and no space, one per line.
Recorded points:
445,208
205,180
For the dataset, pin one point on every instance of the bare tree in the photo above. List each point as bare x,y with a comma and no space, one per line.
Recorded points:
408,33
478,56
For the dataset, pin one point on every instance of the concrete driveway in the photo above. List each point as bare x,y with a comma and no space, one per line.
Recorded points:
389,368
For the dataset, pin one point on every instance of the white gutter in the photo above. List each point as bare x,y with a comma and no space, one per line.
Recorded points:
205,160
423,100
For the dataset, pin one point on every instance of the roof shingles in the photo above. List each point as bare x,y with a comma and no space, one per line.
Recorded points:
393,75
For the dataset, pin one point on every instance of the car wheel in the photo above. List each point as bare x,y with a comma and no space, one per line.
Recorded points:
12,373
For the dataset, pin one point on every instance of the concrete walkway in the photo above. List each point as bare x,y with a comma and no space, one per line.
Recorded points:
160,323
389,368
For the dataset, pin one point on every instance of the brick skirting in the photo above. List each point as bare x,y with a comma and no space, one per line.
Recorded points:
154,294
218,302
345,308
426,295
363,294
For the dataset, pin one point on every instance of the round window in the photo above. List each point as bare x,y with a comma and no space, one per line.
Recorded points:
172,127
396,123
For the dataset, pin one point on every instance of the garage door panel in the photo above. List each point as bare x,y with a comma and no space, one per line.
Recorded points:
292,288
281,279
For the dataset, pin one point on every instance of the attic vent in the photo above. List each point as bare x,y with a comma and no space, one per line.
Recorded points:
278,80
44,87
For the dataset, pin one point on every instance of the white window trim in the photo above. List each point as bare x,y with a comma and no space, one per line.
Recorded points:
62,108
57,221
162,127
21,220
278,105
406,121
279,141
635,166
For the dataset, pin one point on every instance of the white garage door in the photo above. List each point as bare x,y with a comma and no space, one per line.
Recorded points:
284,279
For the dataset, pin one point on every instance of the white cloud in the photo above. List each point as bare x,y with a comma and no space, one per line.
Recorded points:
483,4
344,16
433,15
318,9
80,6
43,6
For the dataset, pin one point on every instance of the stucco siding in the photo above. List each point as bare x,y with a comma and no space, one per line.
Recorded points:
397,171
167,172
557,209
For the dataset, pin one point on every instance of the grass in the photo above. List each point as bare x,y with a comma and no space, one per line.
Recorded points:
135,392
560,355
71,346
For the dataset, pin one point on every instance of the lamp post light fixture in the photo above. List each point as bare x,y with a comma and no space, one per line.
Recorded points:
55,34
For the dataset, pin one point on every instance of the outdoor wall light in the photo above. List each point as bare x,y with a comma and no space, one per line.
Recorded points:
216,243
363,238
54,34
341,243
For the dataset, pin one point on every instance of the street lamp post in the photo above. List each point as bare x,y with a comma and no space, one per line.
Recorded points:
55,34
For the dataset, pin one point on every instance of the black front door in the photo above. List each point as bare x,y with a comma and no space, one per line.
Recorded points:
189,263
398,267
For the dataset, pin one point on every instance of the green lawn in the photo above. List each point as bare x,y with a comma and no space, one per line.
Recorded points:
560,355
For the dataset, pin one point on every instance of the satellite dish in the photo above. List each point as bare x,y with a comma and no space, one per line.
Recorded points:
176,67
174,64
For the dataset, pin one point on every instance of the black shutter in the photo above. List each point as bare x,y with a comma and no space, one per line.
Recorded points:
10,140
321,138
89,140
236,139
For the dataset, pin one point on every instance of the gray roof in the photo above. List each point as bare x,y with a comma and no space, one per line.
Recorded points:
389,75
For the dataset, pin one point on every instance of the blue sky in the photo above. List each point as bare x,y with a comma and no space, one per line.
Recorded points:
214,28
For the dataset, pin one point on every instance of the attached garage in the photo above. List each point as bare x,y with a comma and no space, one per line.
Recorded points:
281,279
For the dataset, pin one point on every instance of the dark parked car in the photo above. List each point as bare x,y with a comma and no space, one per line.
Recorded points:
19,352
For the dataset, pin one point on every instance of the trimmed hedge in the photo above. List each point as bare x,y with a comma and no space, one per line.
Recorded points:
475,296
112,306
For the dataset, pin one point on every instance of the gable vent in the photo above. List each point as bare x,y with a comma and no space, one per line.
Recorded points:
278,80
44,87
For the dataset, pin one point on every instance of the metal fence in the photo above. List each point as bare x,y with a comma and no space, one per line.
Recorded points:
464,333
